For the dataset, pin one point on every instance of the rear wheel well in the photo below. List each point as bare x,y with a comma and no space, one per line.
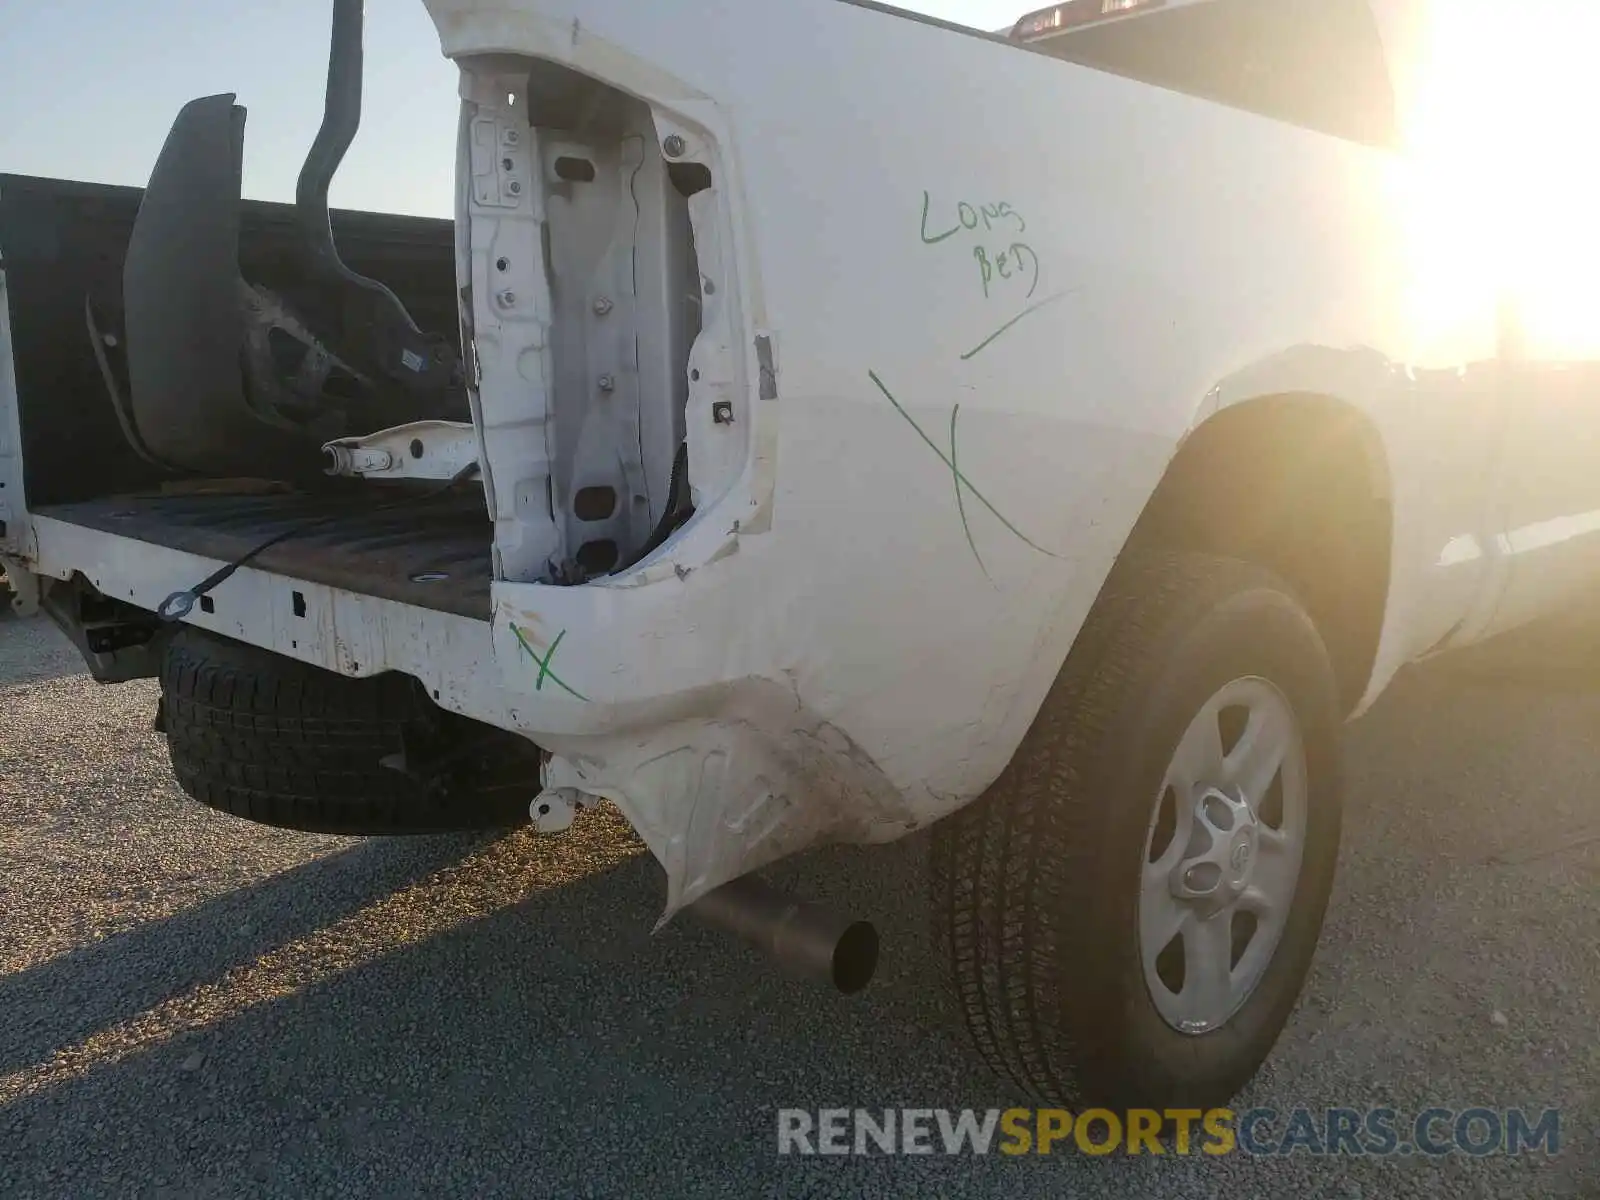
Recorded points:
1298,484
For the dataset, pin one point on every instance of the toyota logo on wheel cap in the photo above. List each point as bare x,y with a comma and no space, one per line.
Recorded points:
1239,858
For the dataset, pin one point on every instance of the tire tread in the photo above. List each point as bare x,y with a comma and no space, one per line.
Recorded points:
1012,873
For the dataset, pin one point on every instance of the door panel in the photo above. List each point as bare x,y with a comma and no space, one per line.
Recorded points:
1550,490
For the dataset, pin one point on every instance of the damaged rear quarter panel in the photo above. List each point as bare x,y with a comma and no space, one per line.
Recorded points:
750,777
991,345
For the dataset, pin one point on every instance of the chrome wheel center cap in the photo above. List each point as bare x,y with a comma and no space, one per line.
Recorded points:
1222,853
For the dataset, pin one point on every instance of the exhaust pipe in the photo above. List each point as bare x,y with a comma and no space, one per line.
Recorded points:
341,118
386,340
804,937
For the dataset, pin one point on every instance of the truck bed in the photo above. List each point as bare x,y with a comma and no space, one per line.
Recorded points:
432,553
65,241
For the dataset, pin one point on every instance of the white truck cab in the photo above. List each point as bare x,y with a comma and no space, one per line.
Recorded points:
819,424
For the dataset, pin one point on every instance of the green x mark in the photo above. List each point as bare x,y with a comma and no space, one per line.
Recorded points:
961,504
958,478
544,665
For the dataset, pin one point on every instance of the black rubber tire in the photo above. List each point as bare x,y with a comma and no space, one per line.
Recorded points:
284,743
1036,884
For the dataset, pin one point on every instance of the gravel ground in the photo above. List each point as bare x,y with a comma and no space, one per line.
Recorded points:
191,1005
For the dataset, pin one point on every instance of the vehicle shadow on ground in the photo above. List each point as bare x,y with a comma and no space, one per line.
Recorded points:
35,650
558,1025
121,976
553,1045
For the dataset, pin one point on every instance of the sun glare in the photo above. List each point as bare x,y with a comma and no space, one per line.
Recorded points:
1503,194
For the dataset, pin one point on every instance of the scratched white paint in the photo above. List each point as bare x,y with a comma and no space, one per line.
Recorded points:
1001,290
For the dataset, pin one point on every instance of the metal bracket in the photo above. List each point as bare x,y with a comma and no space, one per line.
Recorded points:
296,400
420,450
556,806
26,589
554,809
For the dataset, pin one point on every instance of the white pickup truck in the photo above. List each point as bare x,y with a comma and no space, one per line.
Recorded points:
820,423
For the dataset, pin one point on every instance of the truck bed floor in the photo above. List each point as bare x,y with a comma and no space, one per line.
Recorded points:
434,554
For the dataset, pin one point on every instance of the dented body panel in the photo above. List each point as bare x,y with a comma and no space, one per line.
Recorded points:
991,335
944,343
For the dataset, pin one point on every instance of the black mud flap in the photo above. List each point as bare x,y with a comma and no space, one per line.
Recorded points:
184,319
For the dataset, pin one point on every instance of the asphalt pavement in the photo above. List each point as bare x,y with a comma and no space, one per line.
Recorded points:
191,1005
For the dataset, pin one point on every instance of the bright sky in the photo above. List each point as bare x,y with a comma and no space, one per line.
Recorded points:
111,75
